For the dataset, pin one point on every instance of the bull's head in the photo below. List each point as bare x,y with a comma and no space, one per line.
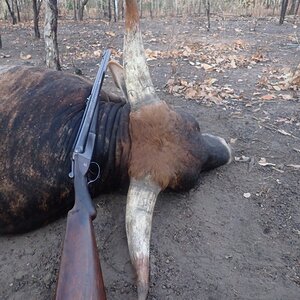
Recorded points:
167,148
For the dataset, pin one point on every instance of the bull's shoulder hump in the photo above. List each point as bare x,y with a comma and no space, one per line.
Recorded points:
36,74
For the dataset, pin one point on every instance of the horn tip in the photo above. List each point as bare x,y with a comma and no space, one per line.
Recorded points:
142,289
142,270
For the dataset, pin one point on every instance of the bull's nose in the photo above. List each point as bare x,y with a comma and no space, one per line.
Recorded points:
218,152
229,149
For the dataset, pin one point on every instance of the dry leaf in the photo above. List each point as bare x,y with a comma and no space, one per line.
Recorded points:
110,33
277,88
25,56
233,64
239,44
268,97
283,132
242,158
207,67
4,55
286,97
263,162
97,53
190,93
294,166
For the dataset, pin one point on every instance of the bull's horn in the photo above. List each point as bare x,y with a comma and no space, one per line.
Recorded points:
137,76
141,200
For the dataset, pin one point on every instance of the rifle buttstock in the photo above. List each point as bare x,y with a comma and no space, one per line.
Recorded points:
80,275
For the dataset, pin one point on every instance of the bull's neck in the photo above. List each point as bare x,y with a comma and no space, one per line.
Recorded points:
112,146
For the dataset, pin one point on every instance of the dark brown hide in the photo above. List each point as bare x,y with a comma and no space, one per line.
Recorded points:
40,112
173,145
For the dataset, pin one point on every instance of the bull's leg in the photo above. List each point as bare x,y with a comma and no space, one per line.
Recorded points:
218,152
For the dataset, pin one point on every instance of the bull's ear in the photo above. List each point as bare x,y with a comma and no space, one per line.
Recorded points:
117,72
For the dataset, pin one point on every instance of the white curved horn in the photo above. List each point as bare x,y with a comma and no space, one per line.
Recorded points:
141,199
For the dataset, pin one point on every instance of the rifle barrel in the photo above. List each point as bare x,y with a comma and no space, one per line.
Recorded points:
91,104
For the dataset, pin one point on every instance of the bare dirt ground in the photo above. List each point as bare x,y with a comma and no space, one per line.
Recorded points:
237,234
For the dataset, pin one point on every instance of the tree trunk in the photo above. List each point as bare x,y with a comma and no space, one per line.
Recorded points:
292,8
75,9
11,12
36,10
284,5
297,8
207,9
17,9
50,35
141,8
116,10
81,5
0,42
151,9
123,9
109,10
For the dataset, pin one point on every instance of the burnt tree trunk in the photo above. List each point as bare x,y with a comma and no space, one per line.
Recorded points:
18,11
50,35
284,5
123,10
80,9
297,9
75,10
141,8
109,10
0,42
11,12
151,9
36,5
292,8
207,10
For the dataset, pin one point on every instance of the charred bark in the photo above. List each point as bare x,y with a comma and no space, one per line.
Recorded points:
292,8
11,12
297,9
50,35
18,11
284,5
0,42
36,5
207,11
74,10
109,11
81,5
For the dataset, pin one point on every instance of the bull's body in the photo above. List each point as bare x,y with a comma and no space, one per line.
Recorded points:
40,113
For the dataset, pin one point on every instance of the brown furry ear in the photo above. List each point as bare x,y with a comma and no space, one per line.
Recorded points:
117,72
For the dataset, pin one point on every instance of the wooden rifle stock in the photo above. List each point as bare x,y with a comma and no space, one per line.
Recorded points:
80,276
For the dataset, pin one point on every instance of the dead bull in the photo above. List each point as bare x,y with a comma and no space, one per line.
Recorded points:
144,143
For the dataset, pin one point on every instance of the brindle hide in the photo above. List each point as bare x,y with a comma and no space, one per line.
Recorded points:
40,112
